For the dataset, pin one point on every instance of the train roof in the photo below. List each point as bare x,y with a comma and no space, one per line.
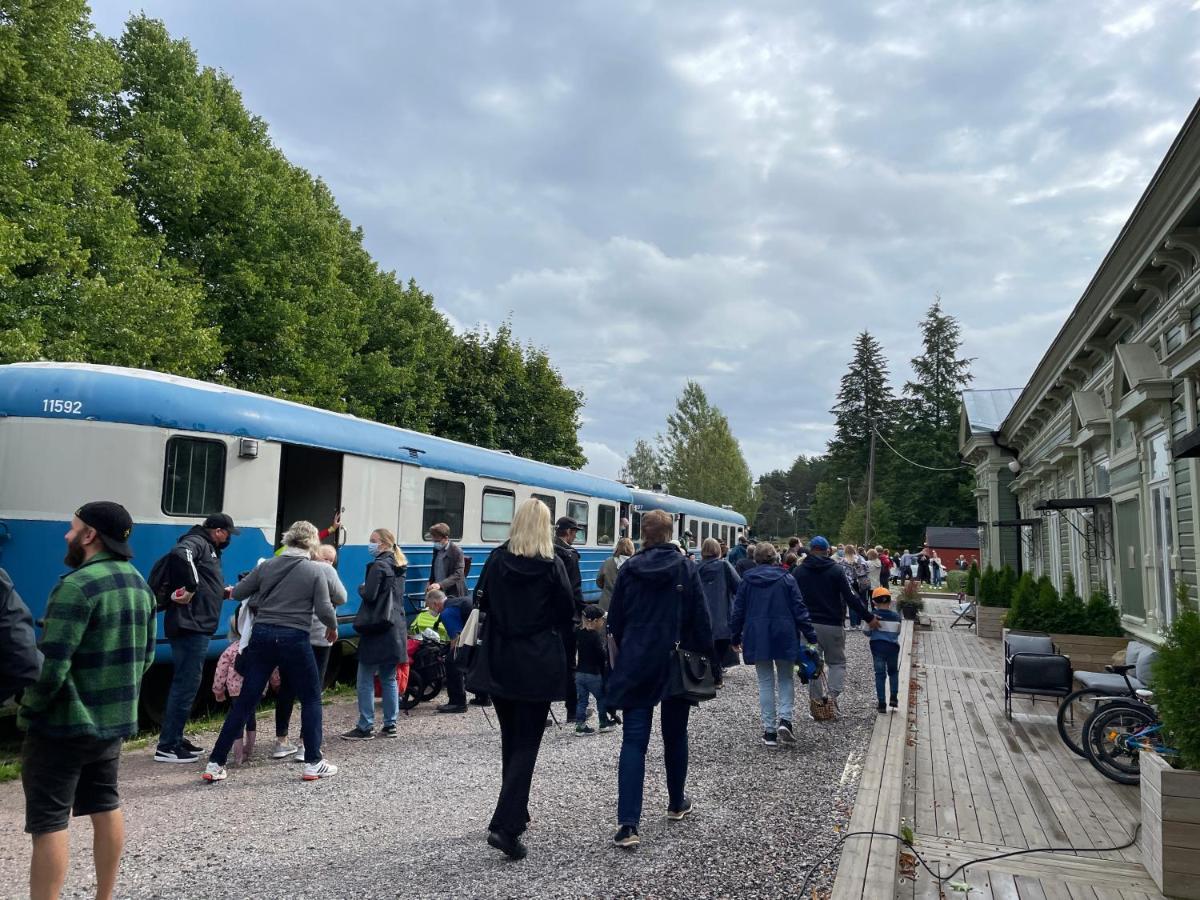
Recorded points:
647,500
141,397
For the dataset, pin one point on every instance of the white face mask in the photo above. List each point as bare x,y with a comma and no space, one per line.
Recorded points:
373,547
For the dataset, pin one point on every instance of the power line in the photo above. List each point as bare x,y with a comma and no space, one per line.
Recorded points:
910,462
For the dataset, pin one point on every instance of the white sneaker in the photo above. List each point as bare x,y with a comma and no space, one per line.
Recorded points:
320,769
283,750
298,757
214,772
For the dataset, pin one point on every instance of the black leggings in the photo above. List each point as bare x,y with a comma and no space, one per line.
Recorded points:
286,698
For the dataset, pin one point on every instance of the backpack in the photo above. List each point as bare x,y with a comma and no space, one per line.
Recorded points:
159,580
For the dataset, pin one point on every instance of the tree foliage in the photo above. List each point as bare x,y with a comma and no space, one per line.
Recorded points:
643,467
787,497
147,219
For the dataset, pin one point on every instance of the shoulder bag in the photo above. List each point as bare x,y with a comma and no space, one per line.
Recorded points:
691,675
376,617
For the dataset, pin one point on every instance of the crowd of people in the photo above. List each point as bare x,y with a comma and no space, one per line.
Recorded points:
526,638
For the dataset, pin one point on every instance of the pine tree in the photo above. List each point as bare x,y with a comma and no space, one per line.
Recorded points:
864,401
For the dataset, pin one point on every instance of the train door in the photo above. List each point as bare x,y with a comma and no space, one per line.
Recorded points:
310,488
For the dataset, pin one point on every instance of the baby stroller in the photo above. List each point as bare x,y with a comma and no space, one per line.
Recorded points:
427,668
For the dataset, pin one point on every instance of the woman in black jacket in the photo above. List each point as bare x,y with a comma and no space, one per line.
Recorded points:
526,599
382,635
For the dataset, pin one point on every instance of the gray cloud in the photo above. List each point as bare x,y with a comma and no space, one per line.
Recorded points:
722,192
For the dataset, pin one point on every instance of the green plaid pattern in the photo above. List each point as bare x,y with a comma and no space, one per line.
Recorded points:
98,642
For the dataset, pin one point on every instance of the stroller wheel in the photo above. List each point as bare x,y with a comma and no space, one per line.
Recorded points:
431,689
413,694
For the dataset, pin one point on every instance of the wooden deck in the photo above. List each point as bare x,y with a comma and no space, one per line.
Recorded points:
974,784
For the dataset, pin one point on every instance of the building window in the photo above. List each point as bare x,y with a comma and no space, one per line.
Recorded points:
496,520
578,510
549,501
606,524
1162,527
444,502
194,481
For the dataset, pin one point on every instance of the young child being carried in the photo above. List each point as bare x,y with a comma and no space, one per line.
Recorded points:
589,671
885,647
227,680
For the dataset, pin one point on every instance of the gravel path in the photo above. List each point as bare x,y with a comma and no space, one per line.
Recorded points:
408,817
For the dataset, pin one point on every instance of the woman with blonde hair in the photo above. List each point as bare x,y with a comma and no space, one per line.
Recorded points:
606,579
287,591
383,635
526,598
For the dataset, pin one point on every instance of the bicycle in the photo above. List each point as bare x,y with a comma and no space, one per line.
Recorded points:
1116,733
1078,707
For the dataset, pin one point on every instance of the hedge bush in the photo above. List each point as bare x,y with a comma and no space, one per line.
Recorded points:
1037,606
1177,687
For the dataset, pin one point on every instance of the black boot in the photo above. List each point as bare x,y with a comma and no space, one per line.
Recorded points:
507,844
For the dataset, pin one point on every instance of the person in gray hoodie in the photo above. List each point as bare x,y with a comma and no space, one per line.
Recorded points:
286,591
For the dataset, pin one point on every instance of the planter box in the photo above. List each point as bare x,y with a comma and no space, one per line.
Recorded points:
989,621
1170,837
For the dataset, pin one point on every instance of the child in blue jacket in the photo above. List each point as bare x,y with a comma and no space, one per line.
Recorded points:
885,647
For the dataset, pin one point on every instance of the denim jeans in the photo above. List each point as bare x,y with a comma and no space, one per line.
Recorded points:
769,671
188,651
285,699
886,657
366,694
587,683
287,649
631,770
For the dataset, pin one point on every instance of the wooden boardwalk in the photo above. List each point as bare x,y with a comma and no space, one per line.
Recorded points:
973,784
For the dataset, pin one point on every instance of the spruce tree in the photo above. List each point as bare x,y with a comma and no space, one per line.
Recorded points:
941,373
864,401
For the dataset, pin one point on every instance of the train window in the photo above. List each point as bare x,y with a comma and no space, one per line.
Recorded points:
635,527
444,502
703,531
578,510
606,524
725,534
194,481
549,501
497,518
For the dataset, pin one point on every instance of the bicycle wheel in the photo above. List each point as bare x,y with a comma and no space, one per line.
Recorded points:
1074,711
1107,738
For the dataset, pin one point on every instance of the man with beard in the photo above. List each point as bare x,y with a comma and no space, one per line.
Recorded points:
197,593
98,642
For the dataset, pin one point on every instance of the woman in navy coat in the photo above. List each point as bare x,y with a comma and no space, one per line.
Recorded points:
658,602
768,617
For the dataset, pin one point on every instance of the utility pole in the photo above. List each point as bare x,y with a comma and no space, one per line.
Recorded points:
870,490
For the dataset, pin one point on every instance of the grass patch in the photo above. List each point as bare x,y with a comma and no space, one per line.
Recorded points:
10,770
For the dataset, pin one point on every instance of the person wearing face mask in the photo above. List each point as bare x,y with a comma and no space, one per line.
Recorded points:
447,573
198,592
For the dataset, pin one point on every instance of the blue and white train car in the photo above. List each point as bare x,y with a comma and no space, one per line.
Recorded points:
174,450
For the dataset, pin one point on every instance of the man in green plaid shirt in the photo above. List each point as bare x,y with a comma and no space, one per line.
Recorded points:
98,642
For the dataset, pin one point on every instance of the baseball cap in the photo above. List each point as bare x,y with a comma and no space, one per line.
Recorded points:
818,543
593,612
111,521
566,523
220,520
881,592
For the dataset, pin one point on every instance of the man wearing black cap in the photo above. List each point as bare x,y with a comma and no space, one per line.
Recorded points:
565,530
198,591
98,641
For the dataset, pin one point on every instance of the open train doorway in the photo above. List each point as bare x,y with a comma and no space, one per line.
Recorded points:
310,488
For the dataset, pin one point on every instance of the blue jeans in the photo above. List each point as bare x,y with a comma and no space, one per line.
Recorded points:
886,657
587,683
366,694
769,671
188,651
287,649
631,770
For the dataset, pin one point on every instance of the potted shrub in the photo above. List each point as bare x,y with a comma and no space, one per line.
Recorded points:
1170,788
910,599
992,600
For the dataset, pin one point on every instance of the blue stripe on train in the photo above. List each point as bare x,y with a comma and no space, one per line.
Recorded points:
33,553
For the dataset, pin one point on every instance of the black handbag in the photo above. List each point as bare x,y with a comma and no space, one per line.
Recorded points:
691,677
376,617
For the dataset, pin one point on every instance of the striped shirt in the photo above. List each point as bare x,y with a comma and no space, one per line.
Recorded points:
98,642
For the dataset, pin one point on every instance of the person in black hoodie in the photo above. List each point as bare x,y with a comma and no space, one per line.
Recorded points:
565,530
525,597
191,619
658,603
20,659
827,593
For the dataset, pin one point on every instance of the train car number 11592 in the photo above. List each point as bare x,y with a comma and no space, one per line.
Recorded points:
70,407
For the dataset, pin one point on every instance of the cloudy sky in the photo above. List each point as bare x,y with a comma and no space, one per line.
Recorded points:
722,191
